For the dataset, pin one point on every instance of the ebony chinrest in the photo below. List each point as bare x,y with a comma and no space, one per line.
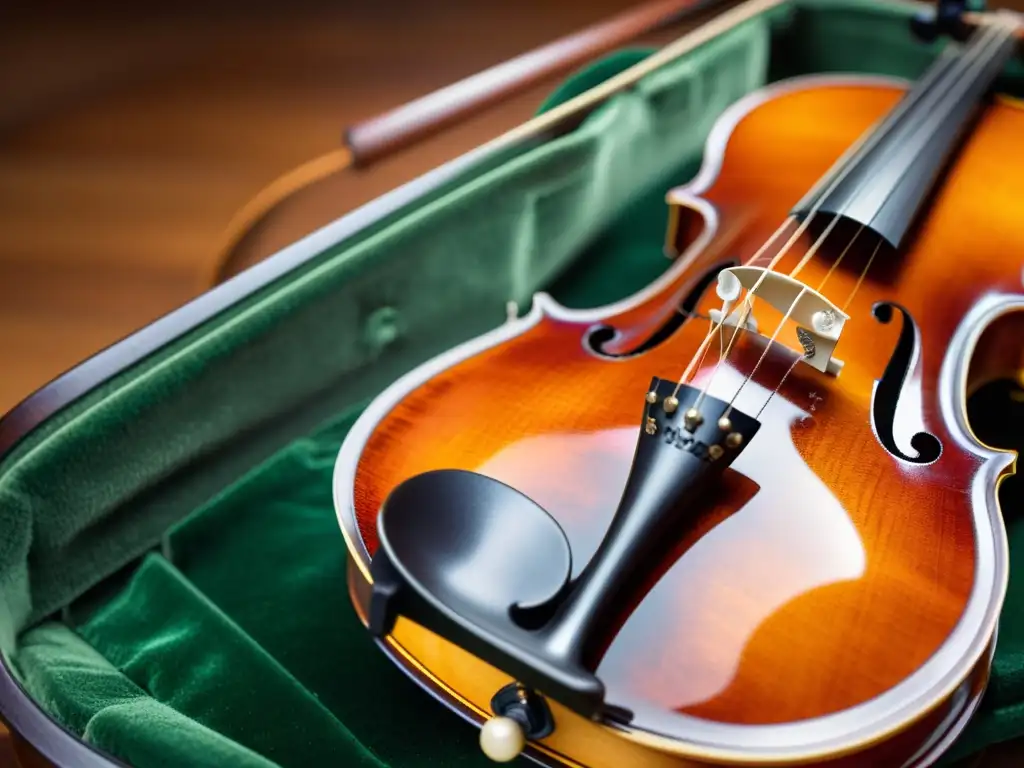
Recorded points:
473,544
479,563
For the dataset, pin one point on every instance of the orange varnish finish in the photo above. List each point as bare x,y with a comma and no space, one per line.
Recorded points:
827,571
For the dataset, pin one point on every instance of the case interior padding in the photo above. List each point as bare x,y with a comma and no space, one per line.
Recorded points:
172,575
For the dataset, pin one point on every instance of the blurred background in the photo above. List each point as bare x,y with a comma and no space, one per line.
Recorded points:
131,137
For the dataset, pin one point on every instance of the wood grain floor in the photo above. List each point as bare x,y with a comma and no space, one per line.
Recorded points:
130,139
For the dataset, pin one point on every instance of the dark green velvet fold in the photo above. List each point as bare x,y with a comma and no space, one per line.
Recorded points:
171,641
293,601
85,692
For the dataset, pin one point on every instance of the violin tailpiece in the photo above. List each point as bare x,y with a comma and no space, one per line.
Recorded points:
484,566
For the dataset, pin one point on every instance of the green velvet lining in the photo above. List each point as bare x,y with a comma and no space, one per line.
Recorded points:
235,644
84,691
172,642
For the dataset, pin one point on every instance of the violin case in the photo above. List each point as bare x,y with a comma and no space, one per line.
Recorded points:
172,575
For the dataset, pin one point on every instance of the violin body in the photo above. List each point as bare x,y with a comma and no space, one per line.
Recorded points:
836,601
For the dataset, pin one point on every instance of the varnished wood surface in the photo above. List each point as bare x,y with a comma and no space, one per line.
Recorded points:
845,571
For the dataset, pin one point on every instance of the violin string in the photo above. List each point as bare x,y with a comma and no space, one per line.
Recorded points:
868,139
841,168
742,322
984,45
966,64
815,246
706,349
849,299
800,357
746,308
796,359
748,301
764,353
707,339
863,274
838,261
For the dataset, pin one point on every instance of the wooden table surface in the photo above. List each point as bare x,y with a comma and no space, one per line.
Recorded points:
129,140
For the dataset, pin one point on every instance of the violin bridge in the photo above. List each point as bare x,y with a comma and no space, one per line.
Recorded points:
733,319
819,322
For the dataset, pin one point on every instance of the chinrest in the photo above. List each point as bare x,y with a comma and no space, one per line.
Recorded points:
467,556
473,543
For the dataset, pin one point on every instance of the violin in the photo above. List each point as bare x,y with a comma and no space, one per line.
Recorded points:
740,517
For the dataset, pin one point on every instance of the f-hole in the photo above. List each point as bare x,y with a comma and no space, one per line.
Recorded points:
889,388
600,336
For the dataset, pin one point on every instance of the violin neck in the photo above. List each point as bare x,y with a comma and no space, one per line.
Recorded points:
885,178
